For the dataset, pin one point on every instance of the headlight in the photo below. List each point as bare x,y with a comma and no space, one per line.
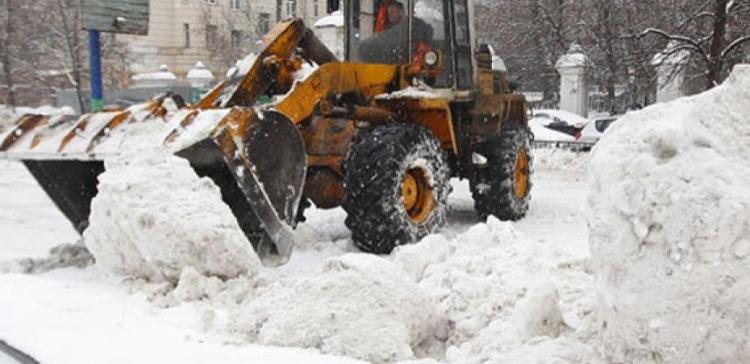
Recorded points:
430,58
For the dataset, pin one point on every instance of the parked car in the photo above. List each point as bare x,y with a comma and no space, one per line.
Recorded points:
595,129
561,121
544,134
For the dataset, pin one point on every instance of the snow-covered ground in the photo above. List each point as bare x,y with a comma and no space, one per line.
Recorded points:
495,292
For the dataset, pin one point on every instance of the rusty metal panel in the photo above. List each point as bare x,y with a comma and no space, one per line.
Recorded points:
115,16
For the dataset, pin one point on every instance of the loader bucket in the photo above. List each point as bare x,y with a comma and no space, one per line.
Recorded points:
261,180
70,184
257,161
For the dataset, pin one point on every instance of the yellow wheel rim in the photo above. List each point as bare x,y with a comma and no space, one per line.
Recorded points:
521,174
416,194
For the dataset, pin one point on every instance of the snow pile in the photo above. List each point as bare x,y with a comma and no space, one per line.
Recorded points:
360,305
144,222
556,159
670,229
500,298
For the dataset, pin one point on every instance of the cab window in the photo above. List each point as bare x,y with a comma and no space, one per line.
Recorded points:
379,31
429,17
464,70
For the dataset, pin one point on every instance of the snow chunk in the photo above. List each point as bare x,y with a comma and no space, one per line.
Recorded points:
360,305
538,313
670,219
497,294
409,93
556,159
153,217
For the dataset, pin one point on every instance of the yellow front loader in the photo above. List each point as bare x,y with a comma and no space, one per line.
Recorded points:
380,133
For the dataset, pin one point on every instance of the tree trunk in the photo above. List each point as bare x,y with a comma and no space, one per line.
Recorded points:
6,56
72,43
715,61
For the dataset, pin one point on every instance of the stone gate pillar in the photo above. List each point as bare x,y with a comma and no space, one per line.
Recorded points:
670,71
573,68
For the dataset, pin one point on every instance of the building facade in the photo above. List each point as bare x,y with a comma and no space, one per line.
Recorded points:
214,32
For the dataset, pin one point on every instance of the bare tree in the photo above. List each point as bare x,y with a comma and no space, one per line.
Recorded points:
232,33
713,33
7,38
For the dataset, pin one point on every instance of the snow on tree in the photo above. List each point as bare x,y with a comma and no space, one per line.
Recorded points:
713,34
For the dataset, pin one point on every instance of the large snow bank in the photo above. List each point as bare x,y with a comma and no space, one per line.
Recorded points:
670,229
502,296
144,222
360,305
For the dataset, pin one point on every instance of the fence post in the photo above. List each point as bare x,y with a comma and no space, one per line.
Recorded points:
95,63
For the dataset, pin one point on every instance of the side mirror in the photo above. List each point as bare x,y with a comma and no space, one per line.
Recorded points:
332,5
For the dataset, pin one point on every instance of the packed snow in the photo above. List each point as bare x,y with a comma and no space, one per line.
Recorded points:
670,230
503,292
143,223
359,305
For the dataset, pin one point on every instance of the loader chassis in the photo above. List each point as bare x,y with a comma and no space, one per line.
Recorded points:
351,133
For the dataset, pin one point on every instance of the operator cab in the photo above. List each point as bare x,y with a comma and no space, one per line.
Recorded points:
432,37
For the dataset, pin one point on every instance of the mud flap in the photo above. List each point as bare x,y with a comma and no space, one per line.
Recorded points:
261,178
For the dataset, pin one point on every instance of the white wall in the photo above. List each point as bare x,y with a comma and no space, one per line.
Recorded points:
165,43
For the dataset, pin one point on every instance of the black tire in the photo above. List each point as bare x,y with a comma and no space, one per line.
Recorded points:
376,171
495,187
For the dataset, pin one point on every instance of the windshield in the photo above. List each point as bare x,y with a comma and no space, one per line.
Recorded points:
429,32
379,31
602,125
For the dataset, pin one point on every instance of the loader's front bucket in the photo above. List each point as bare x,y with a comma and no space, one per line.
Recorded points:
258,161
261,177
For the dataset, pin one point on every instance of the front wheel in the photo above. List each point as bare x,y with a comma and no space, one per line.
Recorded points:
502,185
397,183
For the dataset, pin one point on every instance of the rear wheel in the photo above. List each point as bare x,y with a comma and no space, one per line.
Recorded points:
502,185
397,183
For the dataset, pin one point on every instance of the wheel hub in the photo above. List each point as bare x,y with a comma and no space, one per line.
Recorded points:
416,194
521,173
